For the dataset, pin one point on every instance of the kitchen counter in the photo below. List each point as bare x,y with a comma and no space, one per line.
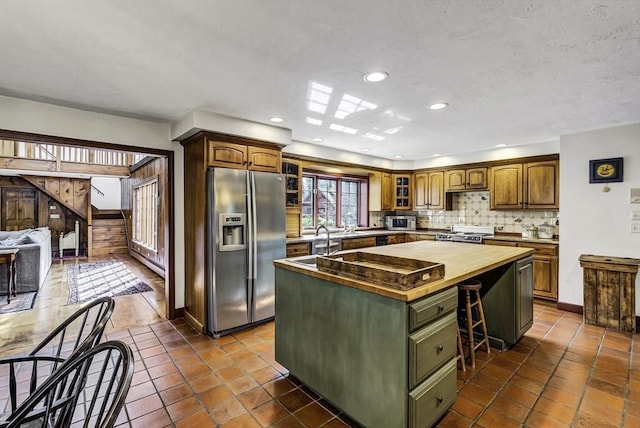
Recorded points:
386,357
429,232
461,261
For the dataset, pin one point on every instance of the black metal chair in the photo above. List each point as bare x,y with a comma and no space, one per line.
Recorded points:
78,333
88,389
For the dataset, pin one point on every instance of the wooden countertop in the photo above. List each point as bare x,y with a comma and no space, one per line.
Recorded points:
462,261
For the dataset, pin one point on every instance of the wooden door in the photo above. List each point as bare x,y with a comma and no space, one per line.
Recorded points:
19,209
436,190
227,155
387,192
505,186
545,277
421,191
476,178
542,185
456,179
261,159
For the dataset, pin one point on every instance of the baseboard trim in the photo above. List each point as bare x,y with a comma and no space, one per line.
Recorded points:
570,307
139,257
193,322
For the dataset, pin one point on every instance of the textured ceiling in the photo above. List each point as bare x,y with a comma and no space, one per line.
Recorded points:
513,72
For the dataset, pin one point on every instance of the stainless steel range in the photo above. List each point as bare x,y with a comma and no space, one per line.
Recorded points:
470,234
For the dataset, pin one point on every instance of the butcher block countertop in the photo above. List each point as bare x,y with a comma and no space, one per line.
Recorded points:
461,261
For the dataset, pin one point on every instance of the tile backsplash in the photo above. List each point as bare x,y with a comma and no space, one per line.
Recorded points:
472,208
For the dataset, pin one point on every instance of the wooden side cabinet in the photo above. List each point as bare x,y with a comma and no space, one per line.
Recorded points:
293,181
429,190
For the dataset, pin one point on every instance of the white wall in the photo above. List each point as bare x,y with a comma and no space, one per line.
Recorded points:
40,118
109,199
592,221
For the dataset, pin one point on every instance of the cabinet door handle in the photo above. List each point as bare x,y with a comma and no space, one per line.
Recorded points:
440,400
440,348
440,308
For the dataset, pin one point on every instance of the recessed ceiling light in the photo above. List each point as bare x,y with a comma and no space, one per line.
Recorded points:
397,157
276,119
501,145
438,106
317,139
375,76
437,154
364,150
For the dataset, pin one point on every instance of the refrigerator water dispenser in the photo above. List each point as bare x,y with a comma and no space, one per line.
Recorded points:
231,232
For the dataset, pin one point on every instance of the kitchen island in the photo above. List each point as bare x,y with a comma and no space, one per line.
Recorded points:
386,356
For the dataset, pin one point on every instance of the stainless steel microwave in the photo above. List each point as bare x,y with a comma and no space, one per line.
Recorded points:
400,222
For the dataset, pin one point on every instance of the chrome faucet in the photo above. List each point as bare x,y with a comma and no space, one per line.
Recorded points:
326,230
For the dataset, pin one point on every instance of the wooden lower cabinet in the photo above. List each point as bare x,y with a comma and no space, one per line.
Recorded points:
354,243
545,266
296,249
396,239
413,237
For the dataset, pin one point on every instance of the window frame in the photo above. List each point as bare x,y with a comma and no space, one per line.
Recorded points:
135,213
362,217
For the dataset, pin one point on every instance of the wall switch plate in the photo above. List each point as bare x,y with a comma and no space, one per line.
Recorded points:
635,227
635,196
635,215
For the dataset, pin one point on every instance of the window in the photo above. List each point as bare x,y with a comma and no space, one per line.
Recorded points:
145,214
333,201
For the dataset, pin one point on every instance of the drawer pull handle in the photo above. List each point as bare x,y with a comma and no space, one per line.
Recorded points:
440,348
440,400
440,308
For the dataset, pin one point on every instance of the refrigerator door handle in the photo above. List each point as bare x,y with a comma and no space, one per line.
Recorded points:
254,227
250,252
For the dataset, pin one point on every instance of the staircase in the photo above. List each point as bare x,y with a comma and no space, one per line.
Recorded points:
108,233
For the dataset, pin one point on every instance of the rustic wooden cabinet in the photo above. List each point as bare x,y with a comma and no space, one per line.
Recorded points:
545,266
240,156
402,192
429,190
531,185
466,179
354,243
396,239
380,191
296,249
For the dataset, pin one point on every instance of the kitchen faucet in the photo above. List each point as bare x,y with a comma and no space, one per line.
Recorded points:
326,230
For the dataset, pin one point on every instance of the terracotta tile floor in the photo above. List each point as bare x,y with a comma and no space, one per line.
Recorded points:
563,373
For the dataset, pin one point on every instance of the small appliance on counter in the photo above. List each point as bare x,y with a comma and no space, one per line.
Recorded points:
545,231
400,222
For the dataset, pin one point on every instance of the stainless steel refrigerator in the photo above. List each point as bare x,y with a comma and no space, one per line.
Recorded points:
246,232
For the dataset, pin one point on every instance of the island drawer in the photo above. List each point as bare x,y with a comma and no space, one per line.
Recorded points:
428,309
431,347
298,249
429,401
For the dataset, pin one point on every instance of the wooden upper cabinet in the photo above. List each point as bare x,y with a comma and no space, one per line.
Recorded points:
402,193
505,187
466,179
429,190
380,191
228,155
542,184
532,185
263,159
240,156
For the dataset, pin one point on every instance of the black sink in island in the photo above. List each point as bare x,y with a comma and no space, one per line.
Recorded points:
384,356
